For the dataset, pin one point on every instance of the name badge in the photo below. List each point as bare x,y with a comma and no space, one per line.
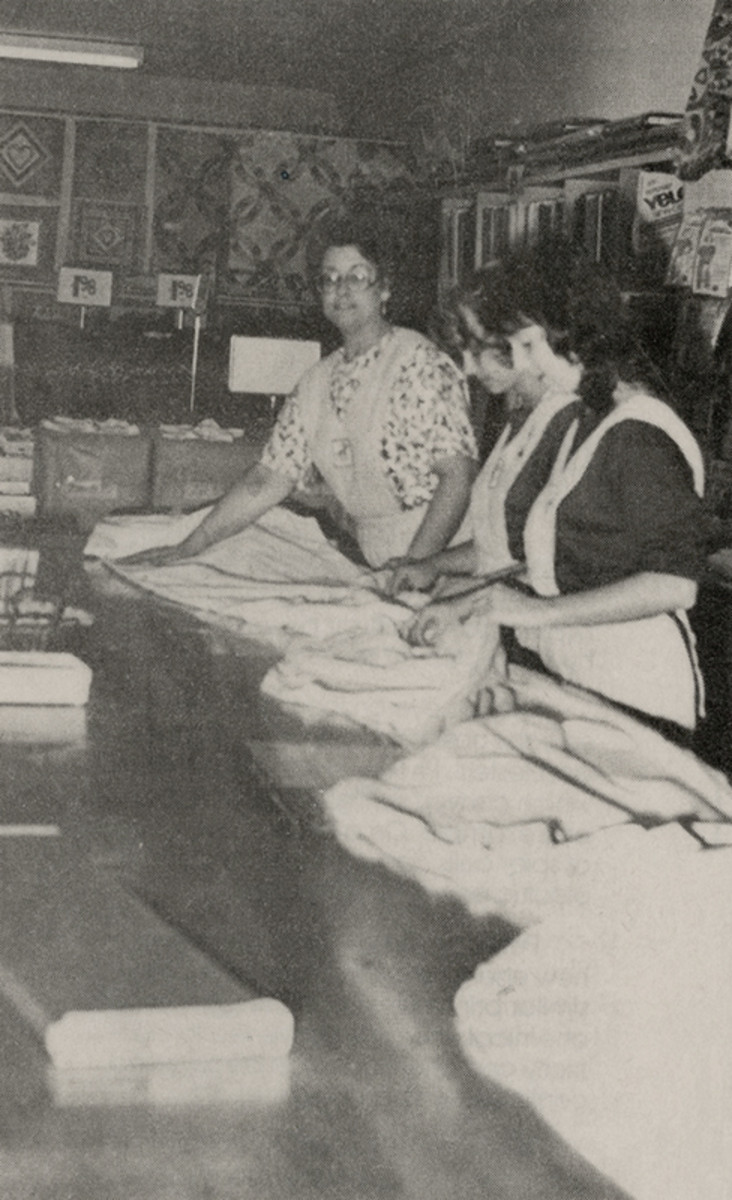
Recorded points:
342,452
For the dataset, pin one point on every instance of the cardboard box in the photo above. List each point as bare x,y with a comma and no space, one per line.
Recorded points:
88,475
188,473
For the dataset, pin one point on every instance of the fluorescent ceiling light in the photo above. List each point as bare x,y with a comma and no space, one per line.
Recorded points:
45,48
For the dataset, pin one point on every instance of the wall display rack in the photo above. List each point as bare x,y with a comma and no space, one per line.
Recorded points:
580,179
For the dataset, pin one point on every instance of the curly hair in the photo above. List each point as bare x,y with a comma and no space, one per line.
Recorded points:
575,300
361,229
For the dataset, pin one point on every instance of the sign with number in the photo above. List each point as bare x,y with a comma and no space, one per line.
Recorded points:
77,285
178,291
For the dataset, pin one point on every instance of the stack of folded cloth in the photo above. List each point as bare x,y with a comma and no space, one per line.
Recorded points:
207,430
71,425
29,621
16,471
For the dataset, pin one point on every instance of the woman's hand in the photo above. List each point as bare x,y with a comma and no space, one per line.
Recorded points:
251,496
500,604
430,626
433,622
411,576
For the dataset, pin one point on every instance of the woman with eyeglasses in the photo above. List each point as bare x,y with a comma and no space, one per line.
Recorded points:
606,519
383,420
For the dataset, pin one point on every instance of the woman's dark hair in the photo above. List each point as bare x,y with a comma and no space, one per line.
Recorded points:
361,230
577,303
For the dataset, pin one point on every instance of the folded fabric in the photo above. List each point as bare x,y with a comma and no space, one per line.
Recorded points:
207,430
62,424
612,1016
279,577
116,537
560,758
282,579
16,442
378,680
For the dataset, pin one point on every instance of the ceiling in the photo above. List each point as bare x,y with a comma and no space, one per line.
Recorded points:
335,46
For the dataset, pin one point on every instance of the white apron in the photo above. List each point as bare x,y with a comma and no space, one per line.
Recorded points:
347,450
501,470
649,664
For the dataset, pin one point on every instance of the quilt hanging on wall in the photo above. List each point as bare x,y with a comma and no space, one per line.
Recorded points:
110,160
107,234
283,187
31,156
27,241
19,243
190,218
707,143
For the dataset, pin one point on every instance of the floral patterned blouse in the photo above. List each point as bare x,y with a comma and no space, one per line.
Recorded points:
427,419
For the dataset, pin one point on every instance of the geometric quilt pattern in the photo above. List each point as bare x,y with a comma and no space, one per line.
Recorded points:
283,187
106,233
21,154
705,145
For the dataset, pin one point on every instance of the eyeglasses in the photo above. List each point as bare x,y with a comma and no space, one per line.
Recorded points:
499,347
358,279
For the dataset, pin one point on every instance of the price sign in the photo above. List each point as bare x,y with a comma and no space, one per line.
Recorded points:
77,285
178,291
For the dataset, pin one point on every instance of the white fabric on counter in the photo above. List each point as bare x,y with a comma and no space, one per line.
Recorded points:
378,680
116,537
344,653
279,574
562,759
613,1017
289,587
281,547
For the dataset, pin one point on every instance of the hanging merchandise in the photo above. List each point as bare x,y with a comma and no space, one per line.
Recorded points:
706,143
683,253
714,255
659,210
711,317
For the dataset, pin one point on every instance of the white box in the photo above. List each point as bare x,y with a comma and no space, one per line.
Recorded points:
269,366
39,677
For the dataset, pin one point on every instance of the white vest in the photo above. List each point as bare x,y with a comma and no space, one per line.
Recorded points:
347,449
501,470
649,664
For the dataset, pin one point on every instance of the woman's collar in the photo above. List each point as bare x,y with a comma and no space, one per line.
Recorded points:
375,344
